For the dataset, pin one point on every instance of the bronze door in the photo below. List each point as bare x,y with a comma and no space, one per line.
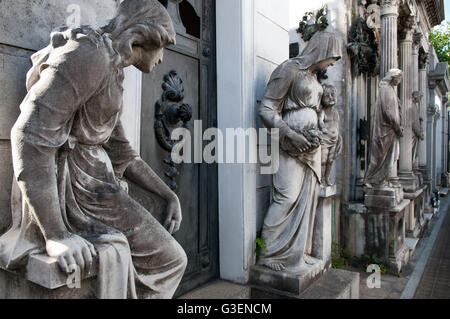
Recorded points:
193,60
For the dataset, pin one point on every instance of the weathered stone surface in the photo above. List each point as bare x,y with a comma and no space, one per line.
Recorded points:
335,284
40,17
14,65
6,176
294,183
285,283
75,92
16,286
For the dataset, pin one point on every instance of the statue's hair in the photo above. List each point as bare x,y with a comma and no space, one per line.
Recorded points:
147,19
328,86
417,94
392,74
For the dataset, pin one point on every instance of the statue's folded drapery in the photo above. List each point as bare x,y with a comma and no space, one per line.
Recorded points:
384,142
69,134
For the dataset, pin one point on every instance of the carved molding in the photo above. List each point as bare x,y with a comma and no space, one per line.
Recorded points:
171,113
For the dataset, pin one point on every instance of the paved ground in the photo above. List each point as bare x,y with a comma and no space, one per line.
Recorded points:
427,275
435,282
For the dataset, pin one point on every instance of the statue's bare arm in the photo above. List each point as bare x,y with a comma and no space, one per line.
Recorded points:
271,118
140,173
42,127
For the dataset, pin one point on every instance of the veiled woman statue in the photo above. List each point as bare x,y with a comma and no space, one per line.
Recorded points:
291,104
70,154
386,132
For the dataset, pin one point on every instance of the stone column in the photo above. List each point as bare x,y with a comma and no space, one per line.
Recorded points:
423,62
406,175
431,113
415,79
389,16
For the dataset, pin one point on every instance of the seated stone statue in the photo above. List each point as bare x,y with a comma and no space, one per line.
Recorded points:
329,125
70,155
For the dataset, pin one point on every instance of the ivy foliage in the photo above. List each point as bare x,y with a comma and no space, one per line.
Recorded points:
440,39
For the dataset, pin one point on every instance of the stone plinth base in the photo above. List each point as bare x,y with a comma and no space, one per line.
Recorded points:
16,286
415,218
283,282
43,279
385,234
409,181
335,284
383,197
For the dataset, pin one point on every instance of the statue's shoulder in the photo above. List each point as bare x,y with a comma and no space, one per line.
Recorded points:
286,69
82,48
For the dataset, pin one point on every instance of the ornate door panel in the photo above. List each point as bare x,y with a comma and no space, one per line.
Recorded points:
193,60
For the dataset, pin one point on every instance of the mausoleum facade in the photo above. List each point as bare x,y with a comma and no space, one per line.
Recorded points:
219,76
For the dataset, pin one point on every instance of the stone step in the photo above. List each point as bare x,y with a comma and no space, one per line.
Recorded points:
411,243
443,192
219,289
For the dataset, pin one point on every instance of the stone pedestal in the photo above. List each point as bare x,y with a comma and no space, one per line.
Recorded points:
383,197
43,279
385,234
335,284
294,284
415,218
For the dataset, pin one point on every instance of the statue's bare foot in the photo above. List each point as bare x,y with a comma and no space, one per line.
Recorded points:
309,260
276,266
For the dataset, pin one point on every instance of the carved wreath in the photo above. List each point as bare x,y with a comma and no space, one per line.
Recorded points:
312,23
362,48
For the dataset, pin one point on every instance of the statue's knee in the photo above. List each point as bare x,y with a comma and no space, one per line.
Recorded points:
177,252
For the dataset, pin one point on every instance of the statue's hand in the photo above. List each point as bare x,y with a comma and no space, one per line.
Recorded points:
71,250
174,217
400,132
300,142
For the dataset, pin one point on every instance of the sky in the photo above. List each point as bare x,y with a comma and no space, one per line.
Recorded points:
447,10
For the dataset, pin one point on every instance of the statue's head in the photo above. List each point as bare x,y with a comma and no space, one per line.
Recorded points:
329,95
321,52
393,77
417,96
140,31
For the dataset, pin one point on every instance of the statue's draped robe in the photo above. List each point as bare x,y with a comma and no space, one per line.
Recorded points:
384,142
70,129
292,98
417,132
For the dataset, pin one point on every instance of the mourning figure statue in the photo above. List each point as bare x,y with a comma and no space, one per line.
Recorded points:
386,132
416,126
291,103
71,159
329,126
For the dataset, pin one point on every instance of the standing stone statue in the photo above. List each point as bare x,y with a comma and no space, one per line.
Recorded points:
416,127
70,155
329,125
386,132
291,104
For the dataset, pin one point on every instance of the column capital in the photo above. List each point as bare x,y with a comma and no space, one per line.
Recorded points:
406,28
417,39
432,84
389,7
